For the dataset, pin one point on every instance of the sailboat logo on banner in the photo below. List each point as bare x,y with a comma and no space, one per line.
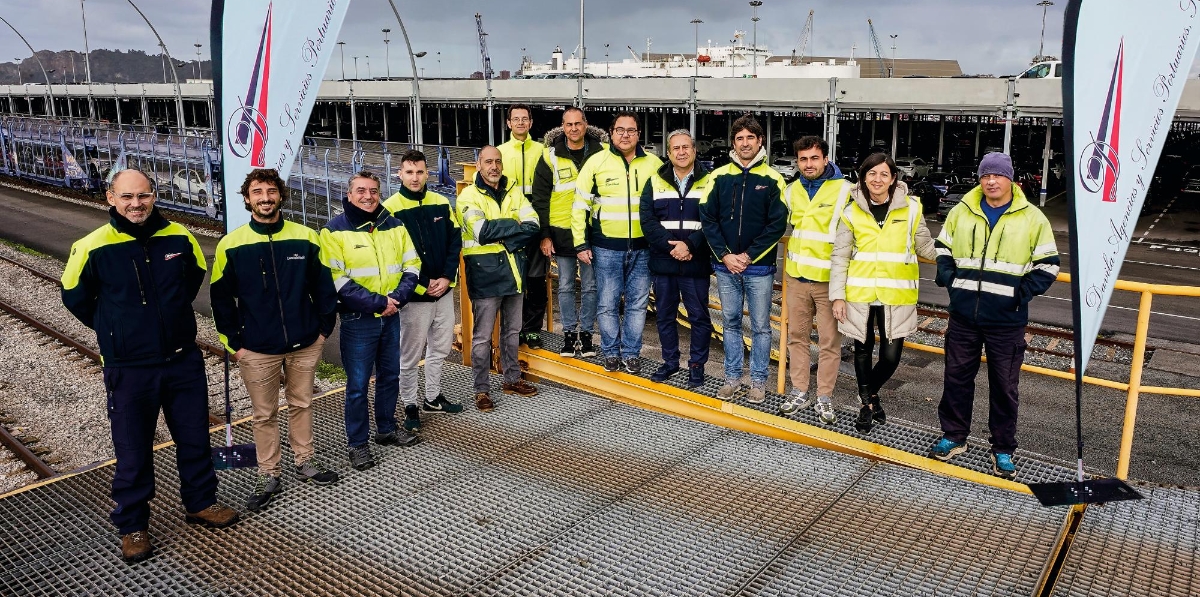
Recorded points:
1099,163
247,126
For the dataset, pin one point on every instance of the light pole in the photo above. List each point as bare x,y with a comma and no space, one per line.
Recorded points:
199,75
356,68
387,55
418,135
606,64
1045,4
439,70
87,63
582,54
342,49
17,61
754,4
696,23
892,73
369,77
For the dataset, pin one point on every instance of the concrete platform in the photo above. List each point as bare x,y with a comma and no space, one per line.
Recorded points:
560,494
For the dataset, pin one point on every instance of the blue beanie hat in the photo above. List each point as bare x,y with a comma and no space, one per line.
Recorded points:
996,163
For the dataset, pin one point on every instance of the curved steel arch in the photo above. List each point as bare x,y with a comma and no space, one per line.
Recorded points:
49,91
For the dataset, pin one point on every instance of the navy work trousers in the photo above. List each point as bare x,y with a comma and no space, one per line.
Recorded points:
135,396
1006,353
668,290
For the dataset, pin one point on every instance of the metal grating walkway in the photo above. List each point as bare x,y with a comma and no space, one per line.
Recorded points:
561,494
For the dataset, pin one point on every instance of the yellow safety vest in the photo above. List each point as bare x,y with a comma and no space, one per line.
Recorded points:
814,224
883,266
562,197
476,207
520,159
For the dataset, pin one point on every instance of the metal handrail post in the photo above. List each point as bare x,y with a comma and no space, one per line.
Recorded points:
783,335
1135,384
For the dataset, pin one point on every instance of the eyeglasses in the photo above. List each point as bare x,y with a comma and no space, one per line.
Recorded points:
624,131
522,120
140,196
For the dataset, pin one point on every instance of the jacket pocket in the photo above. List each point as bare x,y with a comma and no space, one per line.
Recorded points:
489,274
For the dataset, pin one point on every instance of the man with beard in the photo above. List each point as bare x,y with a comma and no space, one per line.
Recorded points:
375,271
133,281
274,304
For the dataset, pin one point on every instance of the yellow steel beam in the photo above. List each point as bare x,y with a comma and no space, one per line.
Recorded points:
663,398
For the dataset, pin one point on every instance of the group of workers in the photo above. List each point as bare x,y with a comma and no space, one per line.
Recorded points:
615,219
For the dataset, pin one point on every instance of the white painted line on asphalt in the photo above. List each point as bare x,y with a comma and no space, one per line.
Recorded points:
1194,269
1160,216
1134,309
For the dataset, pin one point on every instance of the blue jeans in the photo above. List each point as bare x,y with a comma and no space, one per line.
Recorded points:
755,292
583,320
627,274
370,342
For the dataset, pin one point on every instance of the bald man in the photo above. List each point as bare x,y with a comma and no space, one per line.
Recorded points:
133,281
497,223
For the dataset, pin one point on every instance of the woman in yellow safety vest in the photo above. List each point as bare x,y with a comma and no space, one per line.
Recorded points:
874,276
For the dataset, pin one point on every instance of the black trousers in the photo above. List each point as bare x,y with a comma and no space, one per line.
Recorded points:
1006,353
668,290
871,378
533,311
135,396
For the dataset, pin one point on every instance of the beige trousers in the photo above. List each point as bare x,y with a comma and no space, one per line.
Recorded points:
260,373
804,300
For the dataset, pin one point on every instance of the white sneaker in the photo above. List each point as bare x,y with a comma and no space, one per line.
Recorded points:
824,408
796,401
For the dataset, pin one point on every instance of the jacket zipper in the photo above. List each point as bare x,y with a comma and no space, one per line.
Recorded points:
162,325
138,273
742,205
278,290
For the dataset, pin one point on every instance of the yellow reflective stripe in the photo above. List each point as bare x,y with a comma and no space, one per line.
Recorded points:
1016,269
943,252
613,201
684,225
469,244
990,287
945,238
395,269
883,256
566,186
623,216
337,264
883,283
809,261
671,194
1046,267
968,262
1045,250
817,236
340,282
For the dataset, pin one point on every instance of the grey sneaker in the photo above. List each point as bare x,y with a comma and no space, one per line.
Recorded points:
265,490
824,408
731,385
796,401
314,472
758,393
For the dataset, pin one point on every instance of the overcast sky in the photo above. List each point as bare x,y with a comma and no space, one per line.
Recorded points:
985,36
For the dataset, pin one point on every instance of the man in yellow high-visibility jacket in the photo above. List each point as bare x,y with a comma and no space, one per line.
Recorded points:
521,155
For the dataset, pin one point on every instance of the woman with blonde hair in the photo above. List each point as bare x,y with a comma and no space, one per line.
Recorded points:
874,277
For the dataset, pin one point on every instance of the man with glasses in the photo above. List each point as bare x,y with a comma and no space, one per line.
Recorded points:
567,148
133,281
744,218
607,231
521,155
996,252
375,271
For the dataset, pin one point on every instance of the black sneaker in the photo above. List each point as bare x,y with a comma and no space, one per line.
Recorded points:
412,418
569,341
663,372
695,376
632,365
586,348
397,438
313,472
265,490
440,405
532,340
612,364
877,413
361,458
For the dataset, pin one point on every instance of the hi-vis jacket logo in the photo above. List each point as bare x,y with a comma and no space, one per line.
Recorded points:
1100,163
170,256
247,126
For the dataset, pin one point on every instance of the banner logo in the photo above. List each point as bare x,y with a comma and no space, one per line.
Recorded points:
247,125
1100,164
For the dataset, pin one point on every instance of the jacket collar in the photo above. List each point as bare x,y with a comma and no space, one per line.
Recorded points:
154,223
974,200
759,159
359,218
525,144
638,152
266,229
411,196
495,193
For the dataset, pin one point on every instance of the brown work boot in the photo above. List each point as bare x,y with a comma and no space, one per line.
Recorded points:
136,547
483,402
520,388
216,516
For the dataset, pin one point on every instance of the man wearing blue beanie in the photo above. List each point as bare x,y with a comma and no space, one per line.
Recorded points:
995,253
